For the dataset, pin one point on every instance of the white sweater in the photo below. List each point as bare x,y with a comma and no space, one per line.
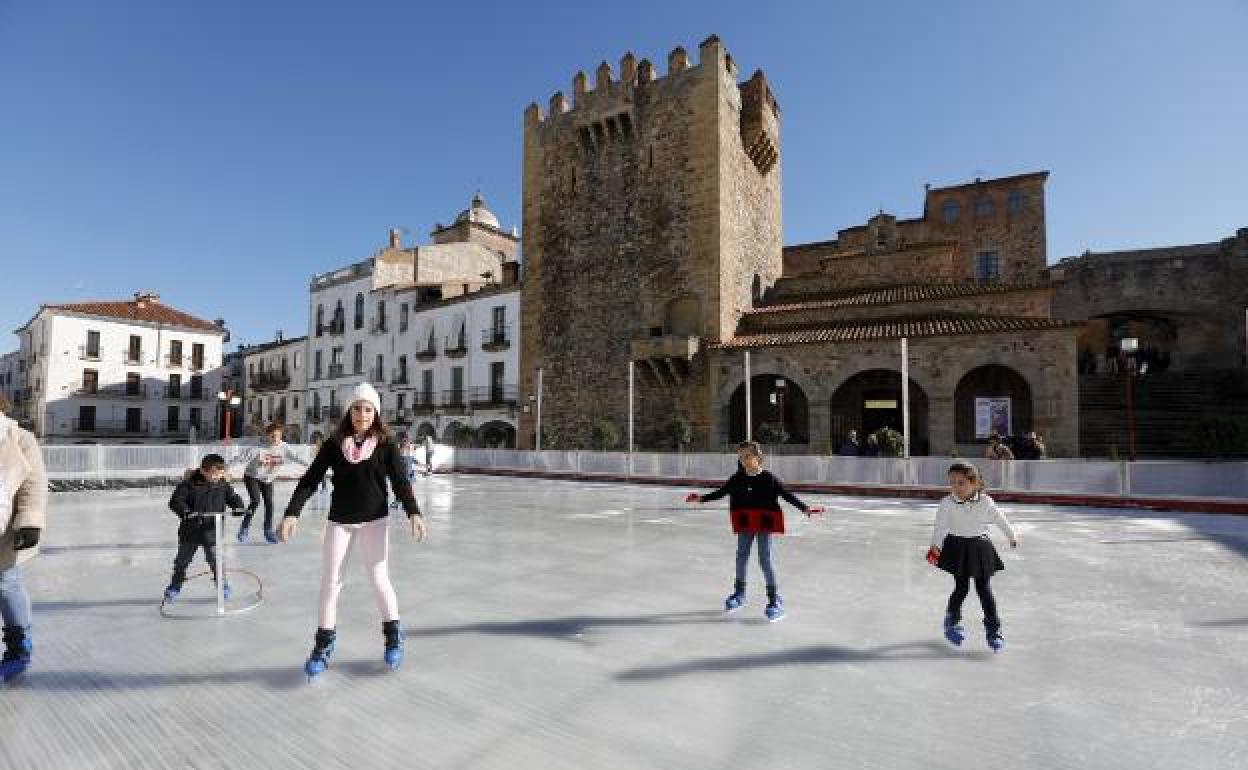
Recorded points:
972,518
264,461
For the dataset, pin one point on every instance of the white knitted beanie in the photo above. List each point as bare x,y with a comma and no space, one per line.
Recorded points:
365,392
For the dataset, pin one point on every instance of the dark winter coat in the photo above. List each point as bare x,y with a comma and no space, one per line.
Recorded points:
754,501
196,494
360,493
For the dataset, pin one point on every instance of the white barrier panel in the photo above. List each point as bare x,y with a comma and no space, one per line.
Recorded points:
1147,478
473,458
1224,479
610,463
1065,476
710,466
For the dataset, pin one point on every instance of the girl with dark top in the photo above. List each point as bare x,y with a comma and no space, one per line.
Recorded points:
363,457
754,504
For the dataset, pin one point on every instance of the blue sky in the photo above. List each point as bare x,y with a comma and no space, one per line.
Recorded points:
223,152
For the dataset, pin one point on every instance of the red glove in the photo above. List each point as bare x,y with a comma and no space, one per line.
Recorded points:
815,510
693,497
933,555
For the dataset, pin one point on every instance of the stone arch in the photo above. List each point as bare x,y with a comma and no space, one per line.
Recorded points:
425,429
497,434
997,382
458,434
774,398
871,399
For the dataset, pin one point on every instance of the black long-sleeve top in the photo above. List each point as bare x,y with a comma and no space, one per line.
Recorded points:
196,494
761,492
359,494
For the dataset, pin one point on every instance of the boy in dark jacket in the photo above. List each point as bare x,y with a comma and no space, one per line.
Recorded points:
754,504
204,491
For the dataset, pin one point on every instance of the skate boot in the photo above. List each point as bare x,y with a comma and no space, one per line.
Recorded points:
17,649
394,643
270,536
954,632
322,651
242,534
993,634
172,591
775,606
736,599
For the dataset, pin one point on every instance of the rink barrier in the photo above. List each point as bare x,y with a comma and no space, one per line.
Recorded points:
1159,484
1218,487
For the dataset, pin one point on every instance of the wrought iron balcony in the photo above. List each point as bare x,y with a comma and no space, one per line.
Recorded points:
496,338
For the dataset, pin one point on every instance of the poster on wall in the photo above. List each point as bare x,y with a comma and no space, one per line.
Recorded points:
992,415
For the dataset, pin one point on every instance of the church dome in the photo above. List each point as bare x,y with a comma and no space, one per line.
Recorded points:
478,213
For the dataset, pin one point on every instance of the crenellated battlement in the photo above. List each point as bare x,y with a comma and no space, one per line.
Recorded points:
611,93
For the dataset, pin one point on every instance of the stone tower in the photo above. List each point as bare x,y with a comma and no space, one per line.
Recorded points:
651,222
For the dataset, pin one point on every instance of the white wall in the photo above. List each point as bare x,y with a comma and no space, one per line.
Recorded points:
60,370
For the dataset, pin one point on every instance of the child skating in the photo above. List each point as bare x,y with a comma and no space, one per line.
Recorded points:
263,462
203,492
363,457
754,504
961,546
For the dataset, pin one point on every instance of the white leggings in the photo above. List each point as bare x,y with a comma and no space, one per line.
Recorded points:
375,546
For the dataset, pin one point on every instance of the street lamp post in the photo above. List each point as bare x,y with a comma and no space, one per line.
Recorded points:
229,399
1129,346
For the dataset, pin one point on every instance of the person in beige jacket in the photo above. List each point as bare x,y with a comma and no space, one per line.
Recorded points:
23,513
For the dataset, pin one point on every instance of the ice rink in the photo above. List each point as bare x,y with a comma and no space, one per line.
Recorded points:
556,624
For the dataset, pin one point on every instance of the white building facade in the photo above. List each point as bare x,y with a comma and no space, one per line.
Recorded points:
373,321
275,386
131,371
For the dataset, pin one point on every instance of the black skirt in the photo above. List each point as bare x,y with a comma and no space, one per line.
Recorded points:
969,557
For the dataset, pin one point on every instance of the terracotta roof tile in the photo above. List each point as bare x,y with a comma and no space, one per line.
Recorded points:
130,310
868,330
888,295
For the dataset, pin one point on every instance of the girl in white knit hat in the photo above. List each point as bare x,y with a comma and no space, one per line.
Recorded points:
363,456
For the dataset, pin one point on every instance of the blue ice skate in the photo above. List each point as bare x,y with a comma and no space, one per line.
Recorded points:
394,643
270,536
775,609
954,632
996,641
17,651
322,651
172,592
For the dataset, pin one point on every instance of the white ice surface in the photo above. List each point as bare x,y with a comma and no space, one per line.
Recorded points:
570,625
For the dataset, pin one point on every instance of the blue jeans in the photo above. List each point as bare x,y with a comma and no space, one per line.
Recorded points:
14,601
745,541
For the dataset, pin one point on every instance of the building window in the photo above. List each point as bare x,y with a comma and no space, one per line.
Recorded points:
359,311
403,317
987,267
298,360
171,419
197,355
320,319
1016,201
134,354
316,366
983,207
175,352
951,211
357,359
196,417
90,380
93,345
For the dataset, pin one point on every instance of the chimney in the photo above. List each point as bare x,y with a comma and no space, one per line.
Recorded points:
279,335
396,238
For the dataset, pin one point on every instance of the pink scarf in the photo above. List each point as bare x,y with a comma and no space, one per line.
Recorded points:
356,454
